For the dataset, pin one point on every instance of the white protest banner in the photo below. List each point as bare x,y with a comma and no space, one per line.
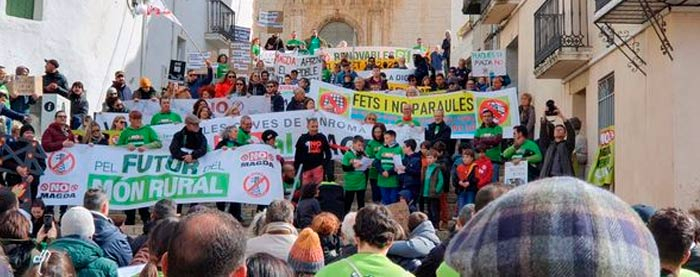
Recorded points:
310,67
268,57
195,60
218,106
365,52
240,56
249,174
489,63
290,126
393,76
515,175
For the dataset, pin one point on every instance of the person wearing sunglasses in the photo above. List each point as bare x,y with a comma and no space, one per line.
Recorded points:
275,98
194,81
225,85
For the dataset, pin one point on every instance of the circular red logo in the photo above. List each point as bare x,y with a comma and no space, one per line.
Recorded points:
498,108
256,185
338,102
61,162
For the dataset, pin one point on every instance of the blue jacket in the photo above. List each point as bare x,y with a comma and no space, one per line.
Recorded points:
341,76
421,241
22,103
411,179
111,240
199,82
9,113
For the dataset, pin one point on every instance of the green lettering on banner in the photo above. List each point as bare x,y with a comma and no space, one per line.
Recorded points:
151,188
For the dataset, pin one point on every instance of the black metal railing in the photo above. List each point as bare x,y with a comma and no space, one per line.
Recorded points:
599,4
221,19
558,24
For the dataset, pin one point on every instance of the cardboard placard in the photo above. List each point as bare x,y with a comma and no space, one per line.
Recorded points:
25,85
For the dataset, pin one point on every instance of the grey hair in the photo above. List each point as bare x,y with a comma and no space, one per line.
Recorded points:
226,131
280,211
94,199
347,228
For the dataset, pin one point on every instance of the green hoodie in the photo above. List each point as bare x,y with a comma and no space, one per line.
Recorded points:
243,138
371,150
165,118
387,164
144,136
87,257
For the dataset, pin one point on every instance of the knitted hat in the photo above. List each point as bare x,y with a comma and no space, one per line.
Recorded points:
555,227
306,255
78,221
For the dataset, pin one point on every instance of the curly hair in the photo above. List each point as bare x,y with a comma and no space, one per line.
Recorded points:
375,226
674,232
325,224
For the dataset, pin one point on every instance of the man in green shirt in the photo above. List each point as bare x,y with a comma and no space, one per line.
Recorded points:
524,149
355,181
294,43
138,136
165,116
314,42
374,232
489,135
388,181
419,46
244,136
407,119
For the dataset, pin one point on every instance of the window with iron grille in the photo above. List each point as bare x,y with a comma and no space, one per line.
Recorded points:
20,8
606,101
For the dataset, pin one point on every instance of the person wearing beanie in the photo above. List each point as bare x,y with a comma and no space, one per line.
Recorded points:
77,229
146,90
558,227
306,255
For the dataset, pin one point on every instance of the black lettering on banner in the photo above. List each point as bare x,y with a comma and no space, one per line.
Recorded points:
376,103
470,103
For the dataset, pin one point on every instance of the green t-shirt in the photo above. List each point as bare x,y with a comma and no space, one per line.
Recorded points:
255,49
367,265
402,122
314,44
446,271
354,180
165,118
421,48
243,138
371,150
529,151
494,153
326,75
221,70
295,43
144,136
387,164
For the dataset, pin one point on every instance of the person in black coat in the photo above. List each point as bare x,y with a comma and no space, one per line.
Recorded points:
189,144
297,102
274,43
21,168
276,98
559,142
308,206
54,81
439,131
79,105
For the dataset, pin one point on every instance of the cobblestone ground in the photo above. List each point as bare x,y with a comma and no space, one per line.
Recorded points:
249,210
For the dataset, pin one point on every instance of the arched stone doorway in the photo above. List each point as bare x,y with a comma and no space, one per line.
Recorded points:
337,31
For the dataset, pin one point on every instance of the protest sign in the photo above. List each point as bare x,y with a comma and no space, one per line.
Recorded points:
308,66
290,126
287,92
241,34
515,175
196,60
240,57
603,167
25,85
176,71
489,63
218,106
462,109
268,57
249,174
272,20
363,53
393,76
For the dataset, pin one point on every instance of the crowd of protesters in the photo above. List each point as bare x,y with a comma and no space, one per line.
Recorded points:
317,231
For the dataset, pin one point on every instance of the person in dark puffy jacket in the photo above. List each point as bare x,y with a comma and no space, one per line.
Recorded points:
110,239
308,206
410,178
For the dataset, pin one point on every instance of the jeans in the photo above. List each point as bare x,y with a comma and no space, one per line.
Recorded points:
496,173
464,198
389,195
350,196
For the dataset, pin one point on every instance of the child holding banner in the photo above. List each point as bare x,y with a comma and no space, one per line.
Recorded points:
385,163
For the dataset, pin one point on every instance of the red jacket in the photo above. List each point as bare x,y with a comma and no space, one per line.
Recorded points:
222,89
484,171
55,135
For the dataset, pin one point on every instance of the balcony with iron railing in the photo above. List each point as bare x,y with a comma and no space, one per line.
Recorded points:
562,42
220,21
492,11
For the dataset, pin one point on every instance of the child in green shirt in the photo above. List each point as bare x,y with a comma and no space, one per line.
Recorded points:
433,183
355,183
371,150
387,180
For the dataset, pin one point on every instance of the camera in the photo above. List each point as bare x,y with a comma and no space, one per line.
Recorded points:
551,108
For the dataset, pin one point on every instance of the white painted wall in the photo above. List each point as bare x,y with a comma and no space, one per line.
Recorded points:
93,39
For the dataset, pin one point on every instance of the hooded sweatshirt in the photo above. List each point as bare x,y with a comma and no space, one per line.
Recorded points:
312,151
88,259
